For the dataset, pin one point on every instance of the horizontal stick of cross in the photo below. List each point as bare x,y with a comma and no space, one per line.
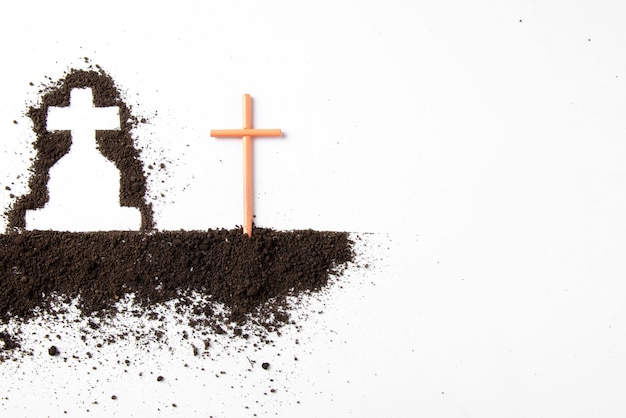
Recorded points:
247,133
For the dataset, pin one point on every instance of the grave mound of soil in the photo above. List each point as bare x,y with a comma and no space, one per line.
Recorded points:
99,268
249,277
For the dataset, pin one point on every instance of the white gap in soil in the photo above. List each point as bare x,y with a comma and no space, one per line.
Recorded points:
84,185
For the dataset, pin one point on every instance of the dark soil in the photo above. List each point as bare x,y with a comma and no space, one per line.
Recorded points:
101,267
250,277
8,342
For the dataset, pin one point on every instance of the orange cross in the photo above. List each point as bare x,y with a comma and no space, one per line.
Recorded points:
247,133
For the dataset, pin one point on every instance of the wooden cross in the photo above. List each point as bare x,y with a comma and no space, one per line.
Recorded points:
247,133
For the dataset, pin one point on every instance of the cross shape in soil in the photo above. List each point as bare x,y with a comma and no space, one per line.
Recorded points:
84,185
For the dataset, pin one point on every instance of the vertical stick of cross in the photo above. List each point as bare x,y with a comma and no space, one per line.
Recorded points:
247,133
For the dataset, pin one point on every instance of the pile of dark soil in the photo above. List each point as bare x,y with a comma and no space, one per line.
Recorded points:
240,272
250,278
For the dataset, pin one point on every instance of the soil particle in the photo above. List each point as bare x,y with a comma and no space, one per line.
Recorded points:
7,342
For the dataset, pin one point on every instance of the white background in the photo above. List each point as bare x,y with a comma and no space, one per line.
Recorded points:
483,142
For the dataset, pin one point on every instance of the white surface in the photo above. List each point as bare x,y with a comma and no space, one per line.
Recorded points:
483,141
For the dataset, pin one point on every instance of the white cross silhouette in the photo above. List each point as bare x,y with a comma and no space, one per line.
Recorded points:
84,185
